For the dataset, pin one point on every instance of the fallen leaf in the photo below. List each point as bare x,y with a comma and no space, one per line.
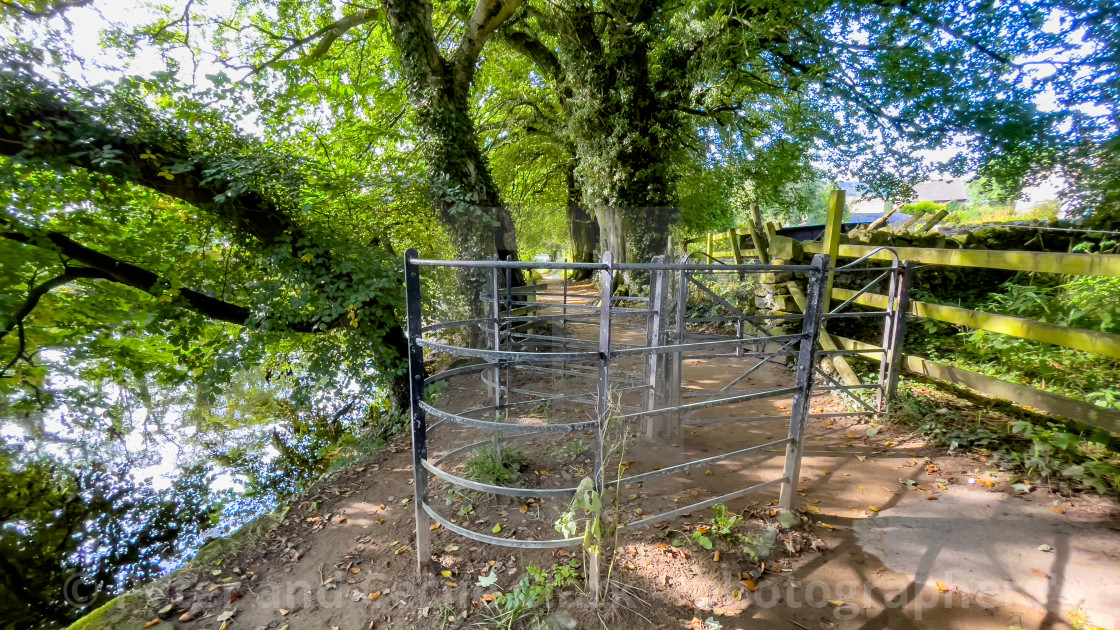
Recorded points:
873,508
1046,548
1040,573
153,622
453,585
524,509
433,527
374,595
378,521
715,557
497,528
836,602
1058,510
401,550
931,498
355,570
489,597
446,574
751,586
941,587
826,526
284,612
814,509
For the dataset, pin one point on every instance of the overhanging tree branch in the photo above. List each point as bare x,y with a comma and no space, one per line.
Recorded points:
99,265
41,126
36,294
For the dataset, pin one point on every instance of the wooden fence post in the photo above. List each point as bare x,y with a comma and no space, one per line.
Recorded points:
833,226
754,226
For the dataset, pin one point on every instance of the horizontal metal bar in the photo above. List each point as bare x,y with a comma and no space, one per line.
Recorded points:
575,373
711,403
708,393
700,462
854,314
491,489
735,318
704,345
494,540
466,369
657,518
505,427
517,264
596,307
526,357
702,421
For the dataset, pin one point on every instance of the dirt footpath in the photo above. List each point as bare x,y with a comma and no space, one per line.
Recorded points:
893,534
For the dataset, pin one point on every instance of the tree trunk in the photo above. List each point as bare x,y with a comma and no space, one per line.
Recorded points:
622,134
582,229
459,179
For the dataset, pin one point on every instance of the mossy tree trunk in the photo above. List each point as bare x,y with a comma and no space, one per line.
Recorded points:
439,88
622,132
583,229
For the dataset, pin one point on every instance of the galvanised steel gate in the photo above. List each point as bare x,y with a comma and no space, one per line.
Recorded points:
639,384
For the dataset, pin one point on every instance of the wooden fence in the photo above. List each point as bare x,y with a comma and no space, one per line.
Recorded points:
1102,343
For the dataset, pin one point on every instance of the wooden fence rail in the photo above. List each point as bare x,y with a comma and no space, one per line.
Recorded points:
1097,342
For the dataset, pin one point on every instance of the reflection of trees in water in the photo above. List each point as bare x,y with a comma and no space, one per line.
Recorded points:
82,532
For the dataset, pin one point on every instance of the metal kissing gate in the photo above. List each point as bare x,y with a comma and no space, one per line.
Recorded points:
631,354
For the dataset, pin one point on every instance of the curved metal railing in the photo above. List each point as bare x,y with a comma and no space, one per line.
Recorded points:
662,410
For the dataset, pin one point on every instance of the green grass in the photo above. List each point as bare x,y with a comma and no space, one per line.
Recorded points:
1063,454
496,465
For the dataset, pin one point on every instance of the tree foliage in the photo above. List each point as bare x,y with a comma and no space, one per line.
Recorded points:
207,257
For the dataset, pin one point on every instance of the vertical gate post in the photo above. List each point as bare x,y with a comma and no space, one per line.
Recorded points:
806,364
603,407
496,342
677,377
416,376
655,362
889,323
509,316
898,335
